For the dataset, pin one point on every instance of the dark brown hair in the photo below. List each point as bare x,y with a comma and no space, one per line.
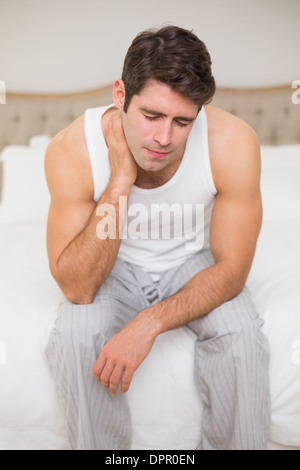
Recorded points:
171,55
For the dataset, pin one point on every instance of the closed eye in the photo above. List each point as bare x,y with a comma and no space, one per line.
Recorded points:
154,118
151,118
180,124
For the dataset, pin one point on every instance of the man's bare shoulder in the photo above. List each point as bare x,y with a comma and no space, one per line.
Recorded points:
67,161
70,142
233,146
225,127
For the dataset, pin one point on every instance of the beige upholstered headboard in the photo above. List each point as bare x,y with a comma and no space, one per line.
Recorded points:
26,115
269,111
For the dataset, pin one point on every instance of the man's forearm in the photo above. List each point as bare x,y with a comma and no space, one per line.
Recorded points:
86,262
125,351
206,291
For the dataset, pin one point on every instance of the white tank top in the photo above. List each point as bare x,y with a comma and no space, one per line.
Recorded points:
166,225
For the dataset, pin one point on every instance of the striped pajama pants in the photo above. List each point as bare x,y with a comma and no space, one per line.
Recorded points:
231,362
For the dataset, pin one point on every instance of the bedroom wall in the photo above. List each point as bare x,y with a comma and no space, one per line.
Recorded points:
72,45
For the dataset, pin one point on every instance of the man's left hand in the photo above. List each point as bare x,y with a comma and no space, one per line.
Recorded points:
123,354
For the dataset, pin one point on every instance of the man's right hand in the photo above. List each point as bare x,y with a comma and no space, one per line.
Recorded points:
123,165
79,260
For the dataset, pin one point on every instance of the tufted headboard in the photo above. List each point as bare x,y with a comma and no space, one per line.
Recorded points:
269,111
26,115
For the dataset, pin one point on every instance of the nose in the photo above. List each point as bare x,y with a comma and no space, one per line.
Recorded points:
163,134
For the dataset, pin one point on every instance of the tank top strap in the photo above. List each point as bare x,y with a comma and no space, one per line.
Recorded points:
97,148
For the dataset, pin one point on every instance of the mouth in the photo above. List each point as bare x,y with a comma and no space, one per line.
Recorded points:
156,154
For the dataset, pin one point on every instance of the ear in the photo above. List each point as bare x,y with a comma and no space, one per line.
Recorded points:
119,94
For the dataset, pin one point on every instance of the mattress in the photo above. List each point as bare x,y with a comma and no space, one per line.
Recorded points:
164,402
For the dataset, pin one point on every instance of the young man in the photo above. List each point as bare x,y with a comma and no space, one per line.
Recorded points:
154,217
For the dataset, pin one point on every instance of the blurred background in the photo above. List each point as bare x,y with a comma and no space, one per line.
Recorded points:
70,46
75,45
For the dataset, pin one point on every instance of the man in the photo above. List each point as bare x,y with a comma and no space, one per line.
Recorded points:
110,173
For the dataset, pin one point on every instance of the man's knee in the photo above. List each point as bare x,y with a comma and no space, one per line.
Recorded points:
238,316
239,324
241,314
79,327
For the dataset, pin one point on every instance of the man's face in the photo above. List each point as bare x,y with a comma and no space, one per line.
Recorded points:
157,124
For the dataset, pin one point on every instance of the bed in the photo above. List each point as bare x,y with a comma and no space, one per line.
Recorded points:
165,405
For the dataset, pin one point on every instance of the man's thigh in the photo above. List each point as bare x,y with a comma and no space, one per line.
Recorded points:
233,315
176,278
117,302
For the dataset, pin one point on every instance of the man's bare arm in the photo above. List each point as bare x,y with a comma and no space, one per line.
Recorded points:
80,261
235,226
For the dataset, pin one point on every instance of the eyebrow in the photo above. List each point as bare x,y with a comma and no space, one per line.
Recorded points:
156,113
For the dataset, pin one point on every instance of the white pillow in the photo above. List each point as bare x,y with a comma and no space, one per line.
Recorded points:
280,182
25,195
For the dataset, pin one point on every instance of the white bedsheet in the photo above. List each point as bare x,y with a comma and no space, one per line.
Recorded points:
165,405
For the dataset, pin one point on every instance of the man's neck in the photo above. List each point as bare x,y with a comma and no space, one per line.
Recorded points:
146,179
154,179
